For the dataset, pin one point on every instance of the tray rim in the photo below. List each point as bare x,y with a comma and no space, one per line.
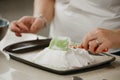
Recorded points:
62,72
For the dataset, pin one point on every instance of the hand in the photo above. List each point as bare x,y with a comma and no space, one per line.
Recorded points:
99,40
27,24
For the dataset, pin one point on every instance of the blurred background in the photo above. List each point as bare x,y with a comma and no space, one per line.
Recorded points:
15,9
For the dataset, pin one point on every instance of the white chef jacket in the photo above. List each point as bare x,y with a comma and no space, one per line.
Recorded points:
74,18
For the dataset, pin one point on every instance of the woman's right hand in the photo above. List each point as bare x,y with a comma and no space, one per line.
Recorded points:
100,40
26,24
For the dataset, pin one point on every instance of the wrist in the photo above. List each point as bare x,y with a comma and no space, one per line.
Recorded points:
43,18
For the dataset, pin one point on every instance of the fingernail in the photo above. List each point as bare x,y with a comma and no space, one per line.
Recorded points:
82,46
105,50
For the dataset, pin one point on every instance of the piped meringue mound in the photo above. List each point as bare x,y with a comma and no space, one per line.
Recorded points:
60,56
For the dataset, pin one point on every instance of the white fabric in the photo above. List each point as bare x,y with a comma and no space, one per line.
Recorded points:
74,18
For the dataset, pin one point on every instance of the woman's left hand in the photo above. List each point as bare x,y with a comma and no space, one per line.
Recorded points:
99,40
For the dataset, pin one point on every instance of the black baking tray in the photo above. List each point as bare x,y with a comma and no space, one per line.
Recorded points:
27,46
18,48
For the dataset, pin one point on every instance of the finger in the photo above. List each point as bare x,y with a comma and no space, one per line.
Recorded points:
36,26
88,37
92,46
80,46
14,27
23,26
101,48
18,34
